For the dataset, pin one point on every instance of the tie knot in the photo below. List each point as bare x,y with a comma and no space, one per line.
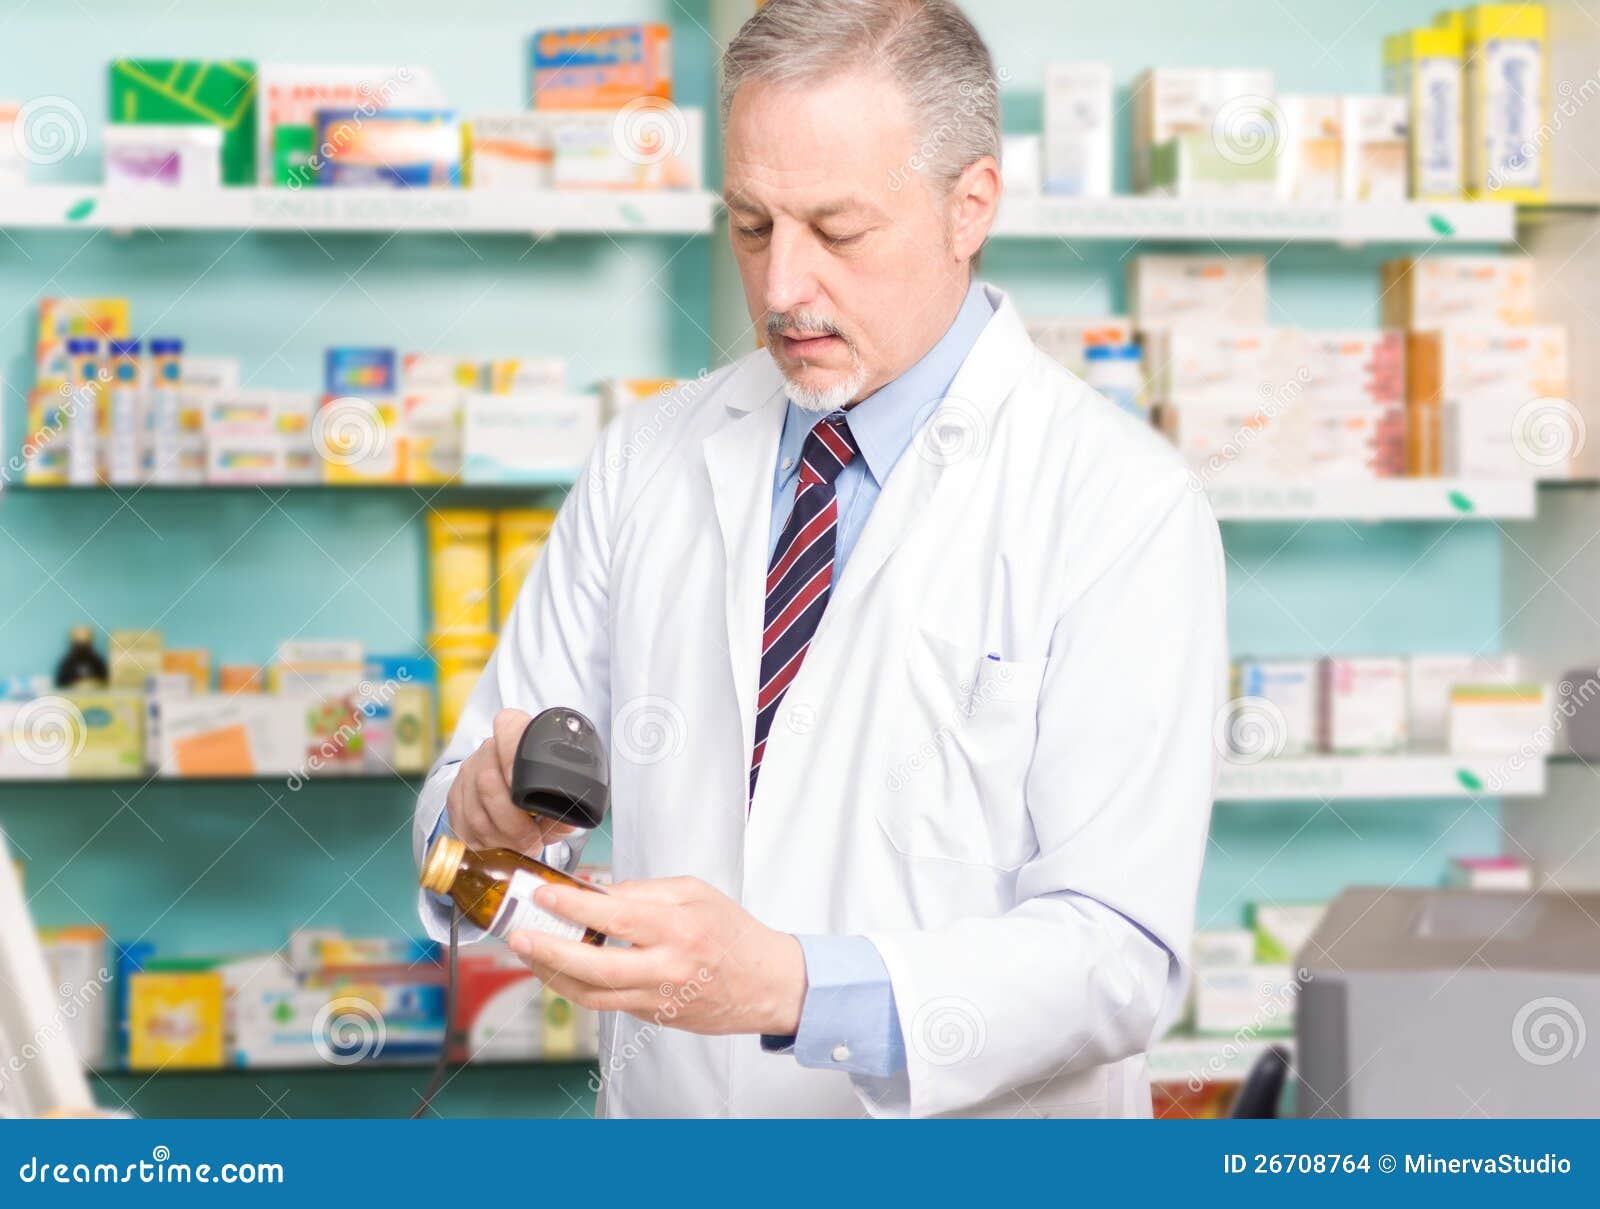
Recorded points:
828,450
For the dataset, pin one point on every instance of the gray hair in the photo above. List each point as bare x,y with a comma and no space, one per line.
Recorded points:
928,46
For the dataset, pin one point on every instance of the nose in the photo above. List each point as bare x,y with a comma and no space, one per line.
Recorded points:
791,279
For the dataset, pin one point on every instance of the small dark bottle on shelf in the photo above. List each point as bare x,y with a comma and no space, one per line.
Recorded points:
82,666
494,888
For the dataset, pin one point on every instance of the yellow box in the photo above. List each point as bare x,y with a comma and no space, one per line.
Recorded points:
1507,110
194,662
135,657
412,713
1424,65
175,1019
519,536
358,444
459,570
461,659
111,741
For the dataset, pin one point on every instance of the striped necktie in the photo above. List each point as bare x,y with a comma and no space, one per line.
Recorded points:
801,572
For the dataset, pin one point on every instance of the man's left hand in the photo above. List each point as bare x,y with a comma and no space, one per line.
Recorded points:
699,961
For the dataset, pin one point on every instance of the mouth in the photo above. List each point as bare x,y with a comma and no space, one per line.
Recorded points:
805,345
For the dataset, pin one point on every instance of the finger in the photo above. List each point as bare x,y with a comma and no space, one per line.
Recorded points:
514,827
601,999
613,968
618,918
509,727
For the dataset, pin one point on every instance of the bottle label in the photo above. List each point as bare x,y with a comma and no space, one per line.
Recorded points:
518,912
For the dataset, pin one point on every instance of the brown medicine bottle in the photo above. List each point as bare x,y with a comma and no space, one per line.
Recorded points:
494,889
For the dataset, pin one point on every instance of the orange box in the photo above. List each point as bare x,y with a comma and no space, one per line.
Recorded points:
600,67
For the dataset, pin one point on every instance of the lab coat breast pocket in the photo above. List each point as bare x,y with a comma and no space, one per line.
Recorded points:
957,769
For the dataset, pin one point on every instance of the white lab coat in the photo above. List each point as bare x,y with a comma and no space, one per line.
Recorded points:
914,788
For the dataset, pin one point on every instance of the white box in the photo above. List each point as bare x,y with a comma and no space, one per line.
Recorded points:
268,731
1311,162
1167,289
1167,102
1376,142
513,150
1336,368
1427,292
1223,947
258,436
1506,121
178,156
1489,873
1282,929
527,438
1500,718
1508,439
290,94
639,149
1202,363
1288,725
1022,164
1429,679
1077,129
1363,705
1244,998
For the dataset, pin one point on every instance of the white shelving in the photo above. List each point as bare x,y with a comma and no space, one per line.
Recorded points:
1375,500
1320,778
1180,219
480,211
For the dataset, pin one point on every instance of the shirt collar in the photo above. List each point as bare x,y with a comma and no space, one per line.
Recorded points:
884,423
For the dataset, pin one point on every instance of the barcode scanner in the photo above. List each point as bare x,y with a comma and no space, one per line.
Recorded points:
559,773
560,770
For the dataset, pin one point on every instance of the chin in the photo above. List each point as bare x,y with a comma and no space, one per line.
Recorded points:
822,391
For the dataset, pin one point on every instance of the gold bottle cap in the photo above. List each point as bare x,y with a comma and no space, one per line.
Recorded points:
444,859
81,634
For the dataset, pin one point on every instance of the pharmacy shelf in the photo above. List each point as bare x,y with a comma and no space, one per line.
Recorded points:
1183,220
464,211
411,1065
1321,778
1397,499
1188,1058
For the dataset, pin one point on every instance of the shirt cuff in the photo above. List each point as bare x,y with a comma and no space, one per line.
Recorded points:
848,1020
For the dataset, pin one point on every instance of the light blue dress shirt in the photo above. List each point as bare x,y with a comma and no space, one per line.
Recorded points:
848,1020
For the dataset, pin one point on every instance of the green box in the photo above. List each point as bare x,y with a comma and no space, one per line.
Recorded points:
292,150
193,92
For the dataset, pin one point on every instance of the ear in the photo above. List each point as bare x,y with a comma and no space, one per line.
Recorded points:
973,200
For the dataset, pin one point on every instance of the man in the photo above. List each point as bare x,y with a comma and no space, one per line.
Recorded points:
907,647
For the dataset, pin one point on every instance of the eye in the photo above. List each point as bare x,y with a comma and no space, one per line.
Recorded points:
753,233
842,241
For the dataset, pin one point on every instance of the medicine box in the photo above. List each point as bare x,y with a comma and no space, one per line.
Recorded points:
529,438
512,150
216,93
162,156
1505,84
1282,929
599,67
1244,998
1489,873
1223,947
175,1017
1376,142
1289,727
290,94
231,735
1164,290
1077,129
1423,68
1362,705
1067,340
1200,363
77,958
630,149
111,742
1426,292
1166,102
1196,166
1344,367
1311,162
1501,718
1429,679
404,148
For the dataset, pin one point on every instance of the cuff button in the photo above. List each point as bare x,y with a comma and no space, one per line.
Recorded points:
841,1053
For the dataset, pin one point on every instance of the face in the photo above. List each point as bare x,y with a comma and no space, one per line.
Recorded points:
852,264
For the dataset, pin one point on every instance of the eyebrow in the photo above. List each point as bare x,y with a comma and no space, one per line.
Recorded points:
826,210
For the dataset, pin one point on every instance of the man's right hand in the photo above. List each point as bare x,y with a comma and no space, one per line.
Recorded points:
479,804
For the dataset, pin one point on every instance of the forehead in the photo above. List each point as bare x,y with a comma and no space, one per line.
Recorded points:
846,133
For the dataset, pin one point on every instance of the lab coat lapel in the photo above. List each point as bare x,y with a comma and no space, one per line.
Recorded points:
740,457
943,458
